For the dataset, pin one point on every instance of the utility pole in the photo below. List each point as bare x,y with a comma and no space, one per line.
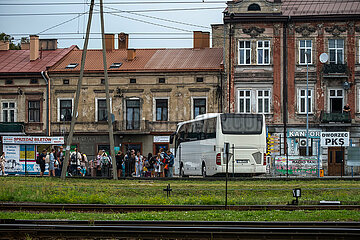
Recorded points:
76,104
109,118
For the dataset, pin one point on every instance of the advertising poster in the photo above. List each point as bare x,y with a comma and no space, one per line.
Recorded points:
30,152
13,164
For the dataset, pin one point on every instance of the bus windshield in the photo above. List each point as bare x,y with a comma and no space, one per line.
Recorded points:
241,123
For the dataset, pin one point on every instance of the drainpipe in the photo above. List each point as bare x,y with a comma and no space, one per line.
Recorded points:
285,92
47,81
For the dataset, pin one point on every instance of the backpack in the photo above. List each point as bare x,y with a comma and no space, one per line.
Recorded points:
73,158
38,159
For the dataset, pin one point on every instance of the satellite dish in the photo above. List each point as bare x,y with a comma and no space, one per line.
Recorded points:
324,57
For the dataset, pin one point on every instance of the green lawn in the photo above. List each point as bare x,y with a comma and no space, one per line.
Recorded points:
85,191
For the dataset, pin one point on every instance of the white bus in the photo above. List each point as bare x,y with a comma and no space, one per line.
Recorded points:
199,145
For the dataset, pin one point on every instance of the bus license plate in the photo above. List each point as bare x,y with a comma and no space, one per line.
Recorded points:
242,161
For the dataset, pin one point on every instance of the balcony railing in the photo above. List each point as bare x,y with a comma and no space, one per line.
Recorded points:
12,127
134,126
335,68
335,117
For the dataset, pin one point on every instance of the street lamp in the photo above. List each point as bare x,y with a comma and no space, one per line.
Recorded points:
307,53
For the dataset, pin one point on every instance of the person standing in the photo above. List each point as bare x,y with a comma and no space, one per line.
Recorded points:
52,163
83,164
41,162
2,163
138,164
60,160
119,162
105,164
170,163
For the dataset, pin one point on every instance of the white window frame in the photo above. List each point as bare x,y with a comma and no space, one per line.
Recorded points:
192,105
328,96
244,98
336,49
97,107
154,106
58,107
8,101
306,49
310,97
263,48
263,98
245,52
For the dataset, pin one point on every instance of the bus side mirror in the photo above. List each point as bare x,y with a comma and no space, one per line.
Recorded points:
172,137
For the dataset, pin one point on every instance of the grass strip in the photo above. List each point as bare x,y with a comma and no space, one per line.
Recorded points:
88,191
216,215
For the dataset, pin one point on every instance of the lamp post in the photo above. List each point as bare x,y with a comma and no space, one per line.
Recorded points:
307,102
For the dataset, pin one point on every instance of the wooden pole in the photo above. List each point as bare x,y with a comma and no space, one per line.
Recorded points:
76,104
109,118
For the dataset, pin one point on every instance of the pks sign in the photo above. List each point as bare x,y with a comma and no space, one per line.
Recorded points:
334,139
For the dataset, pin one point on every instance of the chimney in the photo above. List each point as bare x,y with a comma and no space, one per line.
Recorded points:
48,44
109,42
123,41
205,39
25,46
131,54
34,47
197,39
4,45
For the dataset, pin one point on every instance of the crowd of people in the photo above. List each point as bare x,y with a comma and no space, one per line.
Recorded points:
131,164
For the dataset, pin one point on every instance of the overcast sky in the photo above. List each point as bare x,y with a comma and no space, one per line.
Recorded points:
167,28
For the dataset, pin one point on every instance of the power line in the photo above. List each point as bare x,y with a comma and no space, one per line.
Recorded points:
62,23
112,3
132,11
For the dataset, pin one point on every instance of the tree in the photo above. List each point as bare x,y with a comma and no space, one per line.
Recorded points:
6,37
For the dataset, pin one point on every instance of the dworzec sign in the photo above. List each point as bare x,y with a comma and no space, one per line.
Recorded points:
334,139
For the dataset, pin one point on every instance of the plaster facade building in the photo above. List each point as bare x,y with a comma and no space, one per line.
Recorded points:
272,58
151,90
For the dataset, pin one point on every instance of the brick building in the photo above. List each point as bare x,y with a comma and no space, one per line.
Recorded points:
272,51
151,91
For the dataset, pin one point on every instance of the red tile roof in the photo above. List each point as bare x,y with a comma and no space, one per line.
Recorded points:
146,60
18,61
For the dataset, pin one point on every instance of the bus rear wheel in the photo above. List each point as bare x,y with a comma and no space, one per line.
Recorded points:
182,173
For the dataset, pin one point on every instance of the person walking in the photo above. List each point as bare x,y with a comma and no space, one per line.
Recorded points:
2,163
52,163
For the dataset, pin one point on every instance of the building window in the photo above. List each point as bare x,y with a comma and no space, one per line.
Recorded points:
101,110
66,81
161,109
65,109
302,147
302,101
34,111
132,114
244,101
263,101
336,100
254,7
132,80
244,52
199,106
9,81
305,52
263,52
34,81
199,79
8,111
336,51
161,80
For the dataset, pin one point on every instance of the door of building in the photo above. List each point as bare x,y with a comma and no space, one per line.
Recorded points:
335,161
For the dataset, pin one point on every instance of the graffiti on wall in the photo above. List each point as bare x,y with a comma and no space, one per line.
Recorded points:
297,165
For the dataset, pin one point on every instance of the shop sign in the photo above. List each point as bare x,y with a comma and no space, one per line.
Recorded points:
334,139
161,139
32,140
302,133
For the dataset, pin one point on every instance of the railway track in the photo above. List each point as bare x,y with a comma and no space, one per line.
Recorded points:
137,208
41,229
